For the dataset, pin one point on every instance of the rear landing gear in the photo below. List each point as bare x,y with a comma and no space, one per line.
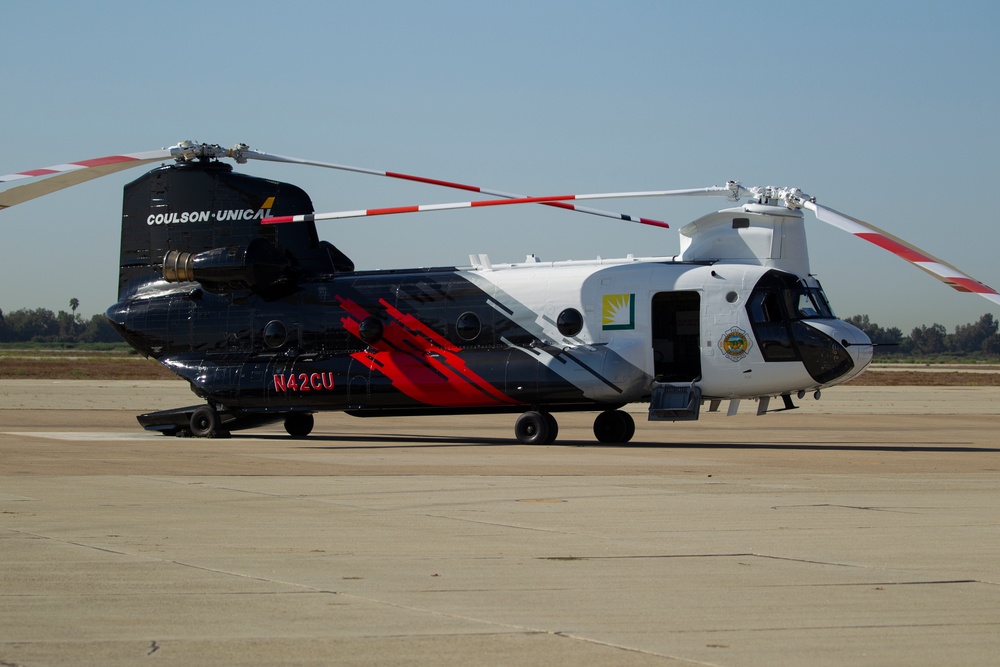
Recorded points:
540,428
217,421
614,426
205,422
536,428
299,424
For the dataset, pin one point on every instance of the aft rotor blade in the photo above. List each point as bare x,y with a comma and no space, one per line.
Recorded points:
72,173
941,270
422,208
270,157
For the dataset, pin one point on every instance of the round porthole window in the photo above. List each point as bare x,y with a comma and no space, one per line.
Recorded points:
570,322
371,330
468,326
275,334
732,297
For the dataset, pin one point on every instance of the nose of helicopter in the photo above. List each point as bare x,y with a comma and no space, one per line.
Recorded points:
853,340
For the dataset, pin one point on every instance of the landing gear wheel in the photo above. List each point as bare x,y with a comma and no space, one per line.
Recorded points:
614,426
205,422
536,428
299,424
553,427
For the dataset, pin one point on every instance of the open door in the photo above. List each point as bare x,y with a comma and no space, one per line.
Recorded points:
676,336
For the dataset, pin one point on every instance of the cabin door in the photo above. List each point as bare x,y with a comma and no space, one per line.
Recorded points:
676,336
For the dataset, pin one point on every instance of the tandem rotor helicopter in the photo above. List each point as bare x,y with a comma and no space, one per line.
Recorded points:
224,280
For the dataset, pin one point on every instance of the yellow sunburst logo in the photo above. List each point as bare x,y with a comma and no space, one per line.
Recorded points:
618,311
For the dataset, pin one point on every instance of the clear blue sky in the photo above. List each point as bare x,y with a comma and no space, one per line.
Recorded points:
883,110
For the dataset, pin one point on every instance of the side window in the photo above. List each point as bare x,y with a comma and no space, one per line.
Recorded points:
770,325
765,307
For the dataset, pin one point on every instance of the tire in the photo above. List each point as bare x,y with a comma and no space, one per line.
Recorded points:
204,422
629,426
533,428
299,424
614,427
553,427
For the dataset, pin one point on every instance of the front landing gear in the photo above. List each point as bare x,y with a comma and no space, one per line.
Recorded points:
614,426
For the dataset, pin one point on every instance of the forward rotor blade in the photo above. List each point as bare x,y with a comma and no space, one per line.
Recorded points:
72,173
941,270
422,208
269,157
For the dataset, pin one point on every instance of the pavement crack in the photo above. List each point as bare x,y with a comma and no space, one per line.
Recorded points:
847,507
630,649
642,556
908,583
814,628
500,524
806,560
708,555
70,542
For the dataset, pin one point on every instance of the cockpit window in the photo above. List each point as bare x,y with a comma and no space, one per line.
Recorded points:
788,300
811,302
770,322
777,307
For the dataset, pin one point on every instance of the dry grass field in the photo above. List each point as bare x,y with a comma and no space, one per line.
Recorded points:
929,376
78,365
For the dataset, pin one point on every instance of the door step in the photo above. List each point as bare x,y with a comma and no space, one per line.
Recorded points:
675,403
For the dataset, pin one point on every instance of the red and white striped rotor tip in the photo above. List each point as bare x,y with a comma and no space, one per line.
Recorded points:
548,199
450,206
246,154
946,273
72,173
940,269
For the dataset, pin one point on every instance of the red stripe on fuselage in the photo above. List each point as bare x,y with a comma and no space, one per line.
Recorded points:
419,362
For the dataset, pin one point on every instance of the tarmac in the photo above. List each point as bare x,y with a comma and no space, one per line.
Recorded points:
860,529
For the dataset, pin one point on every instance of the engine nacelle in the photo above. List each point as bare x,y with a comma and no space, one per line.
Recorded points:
256,266
771,236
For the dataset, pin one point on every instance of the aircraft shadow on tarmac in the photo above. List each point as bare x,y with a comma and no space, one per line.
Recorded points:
397,441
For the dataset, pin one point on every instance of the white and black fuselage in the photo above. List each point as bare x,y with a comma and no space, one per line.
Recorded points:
266,320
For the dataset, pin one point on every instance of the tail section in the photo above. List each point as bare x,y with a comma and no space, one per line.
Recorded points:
209,219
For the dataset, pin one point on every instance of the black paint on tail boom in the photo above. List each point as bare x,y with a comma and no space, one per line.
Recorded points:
204,207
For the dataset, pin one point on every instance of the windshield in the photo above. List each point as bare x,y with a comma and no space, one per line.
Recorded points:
811,302
777,307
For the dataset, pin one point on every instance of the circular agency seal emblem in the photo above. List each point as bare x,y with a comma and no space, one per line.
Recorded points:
735,344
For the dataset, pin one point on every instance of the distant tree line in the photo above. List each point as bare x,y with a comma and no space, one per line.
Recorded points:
978,338
40,325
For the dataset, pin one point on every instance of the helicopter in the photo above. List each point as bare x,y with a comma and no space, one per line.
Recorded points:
224,280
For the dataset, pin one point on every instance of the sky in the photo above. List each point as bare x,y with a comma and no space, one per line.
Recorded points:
886,111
